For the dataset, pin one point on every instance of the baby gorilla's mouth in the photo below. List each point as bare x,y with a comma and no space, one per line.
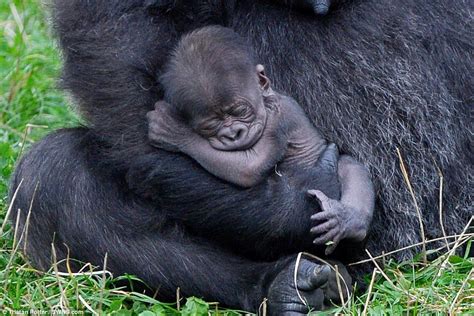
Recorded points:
254,133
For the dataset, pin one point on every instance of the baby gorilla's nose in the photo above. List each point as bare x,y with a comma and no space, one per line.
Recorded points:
237,136
234,133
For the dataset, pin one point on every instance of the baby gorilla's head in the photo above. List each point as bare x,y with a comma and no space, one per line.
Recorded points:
214,83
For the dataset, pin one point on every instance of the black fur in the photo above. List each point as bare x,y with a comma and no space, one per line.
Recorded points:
86,213
373,75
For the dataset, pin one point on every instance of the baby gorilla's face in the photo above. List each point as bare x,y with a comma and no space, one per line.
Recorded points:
237,122
237,125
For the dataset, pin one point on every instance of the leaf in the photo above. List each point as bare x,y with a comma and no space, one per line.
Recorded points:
195,307
115,305
122,312
455,259
159,310
139,307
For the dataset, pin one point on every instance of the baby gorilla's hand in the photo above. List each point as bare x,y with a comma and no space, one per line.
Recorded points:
334,223
165,128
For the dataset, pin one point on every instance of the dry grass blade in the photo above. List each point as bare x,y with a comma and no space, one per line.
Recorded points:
417,208
458,294
262,309
103,281
87,306
465,237
371,285
339,287
63,301
440,206
178,299
7,215
380,270
456,245
295,279
334,268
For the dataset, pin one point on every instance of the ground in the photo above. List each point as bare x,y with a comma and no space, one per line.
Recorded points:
31,106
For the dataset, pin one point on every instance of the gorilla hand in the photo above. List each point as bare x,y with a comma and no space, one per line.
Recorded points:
335,222
316,283
166,129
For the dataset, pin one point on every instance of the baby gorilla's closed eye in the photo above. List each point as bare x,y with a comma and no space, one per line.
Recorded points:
239,134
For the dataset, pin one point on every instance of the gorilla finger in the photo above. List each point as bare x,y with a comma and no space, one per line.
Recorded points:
329,236
314,299
311,275
322,216
294,309
330,249
322,198
333,292
324,227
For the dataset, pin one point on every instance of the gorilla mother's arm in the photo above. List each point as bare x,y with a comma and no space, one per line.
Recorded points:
95,217
211,207
241,167
244,168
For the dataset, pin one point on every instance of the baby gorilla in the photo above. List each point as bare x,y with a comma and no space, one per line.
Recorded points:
221,111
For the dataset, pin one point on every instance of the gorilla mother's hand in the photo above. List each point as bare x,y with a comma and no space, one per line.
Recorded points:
317,284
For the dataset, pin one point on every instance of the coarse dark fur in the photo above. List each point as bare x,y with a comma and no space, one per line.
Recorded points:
88,214
219,98
375,75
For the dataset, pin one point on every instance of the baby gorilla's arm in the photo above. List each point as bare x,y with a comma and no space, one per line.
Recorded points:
350,217
244,168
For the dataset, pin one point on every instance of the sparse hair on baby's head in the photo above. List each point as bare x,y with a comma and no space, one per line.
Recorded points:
205,66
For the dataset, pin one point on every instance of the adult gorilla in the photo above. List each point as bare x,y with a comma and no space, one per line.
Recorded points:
373,74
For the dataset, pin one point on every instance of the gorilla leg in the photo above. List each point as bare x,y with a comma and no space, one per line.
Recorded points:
88,213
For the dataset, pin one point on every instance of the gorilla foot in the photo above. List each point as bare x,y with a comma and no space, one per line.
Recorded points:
316,284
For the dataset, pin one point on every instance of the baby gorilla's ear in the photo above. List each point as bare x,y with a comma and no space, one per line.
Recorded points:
262,78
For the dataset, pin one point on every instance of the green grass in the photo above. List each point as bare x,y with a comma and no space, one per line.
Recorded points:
31,106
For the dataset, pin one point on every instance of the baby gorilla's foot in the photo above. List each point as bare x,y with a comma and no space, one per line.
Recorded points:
334,223
316,283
